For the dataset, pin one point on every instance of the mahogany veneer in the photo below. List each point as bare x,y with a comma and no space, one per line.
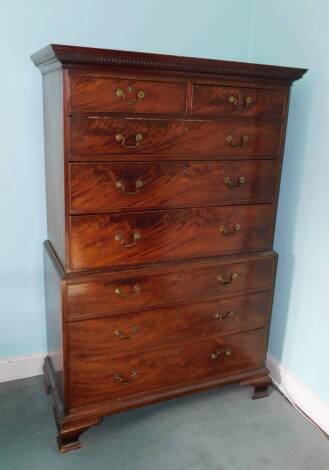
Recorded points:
99,94
96,139
162,178
99,187
215,102
139,288
117,334
103,240
95,377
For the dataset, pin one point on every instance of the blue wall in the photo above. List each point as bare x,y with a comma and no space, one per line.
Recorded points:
295,32
281,32
215,29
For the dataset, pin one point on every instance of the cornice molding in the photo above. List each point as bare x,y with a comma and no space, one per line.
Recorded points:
72,56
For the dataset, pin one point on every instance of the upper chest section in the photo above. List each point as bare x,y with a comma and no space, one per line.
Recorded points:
169,96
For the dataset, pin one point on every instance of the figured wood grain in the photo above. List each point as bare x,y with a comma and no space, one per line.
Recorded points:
213,102
93,375
169,184
95,138
98,94
168,235
96,295
124,334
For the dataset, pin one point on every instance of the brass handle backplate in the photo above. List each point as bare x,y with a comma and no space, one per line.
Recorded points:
225,231
224,316
121,185
237,142
230,184
128,295
120,92
240,102
122,335
135,236
121,138
220,352
222,280
124,381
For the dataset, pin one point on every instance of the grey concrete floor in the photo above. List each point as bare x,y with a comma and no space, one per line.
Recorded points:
218,430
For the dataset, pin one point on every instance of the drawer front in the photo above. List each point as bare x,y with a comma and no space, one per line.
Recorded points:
142,237
107,187
141,289
97,377
121,334
221,101
104,138
119,95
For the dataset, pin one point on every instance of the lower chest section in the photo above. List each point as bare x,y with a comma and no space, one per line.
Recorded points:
158,329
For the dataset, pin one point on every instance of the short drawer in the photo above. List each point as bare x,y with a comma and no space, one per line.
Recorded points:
121,334
128,96
121,239
97,377
107,187
220,101
140,289
106,138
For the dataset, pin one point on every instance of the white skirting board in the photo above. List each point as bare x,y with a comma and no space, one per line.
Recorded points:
295,391
21,367
299,394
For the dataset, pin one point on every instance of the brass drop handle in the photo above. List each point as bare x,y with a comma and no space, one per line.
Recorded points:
230,184
220,352
121,185
121,138
120,92
122,335
127,295
124,381
121,238
240,102
237,142
221,279
225,231
224,316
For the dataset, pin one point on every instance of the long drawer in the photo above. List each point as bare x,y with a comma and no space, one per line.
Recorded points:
164,285
107,138
141,237
96,377
107,187
124,334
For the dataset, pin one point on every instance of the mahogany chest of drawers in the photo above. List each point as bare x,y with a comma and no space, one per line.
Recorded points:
162,178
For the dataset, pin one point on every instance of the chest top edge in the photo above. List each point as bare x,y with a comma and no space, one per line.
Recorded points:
55,55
